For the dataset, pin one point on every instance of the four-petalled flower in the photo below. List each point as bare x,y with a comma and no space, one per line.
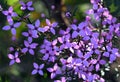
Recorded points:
12,26
14,58
54,71
26,6
38,69
29,46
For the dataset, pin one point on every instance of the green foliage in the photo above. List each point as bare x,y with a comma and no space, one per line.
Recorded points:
113,6
75,2
11,2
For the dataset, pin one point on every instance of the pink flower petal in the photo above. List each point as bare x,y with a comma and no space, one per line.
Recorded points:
17,60
10,56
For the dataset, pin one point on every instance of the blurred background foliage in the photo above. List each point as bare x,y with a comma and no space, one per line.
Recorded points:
22,72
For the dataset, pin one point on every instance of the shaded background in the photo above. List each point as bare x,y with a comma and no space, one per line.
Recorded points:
22,72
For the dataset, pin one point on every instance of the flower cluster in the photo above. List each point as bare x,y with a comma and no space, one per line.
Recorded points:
80,51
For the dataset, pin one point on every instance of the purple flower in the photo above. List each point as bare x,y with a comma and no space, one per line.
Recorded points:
97,78
84,29
30,34
11,49
43,15
75,45
63,79
97,63
29,46
26,6
52,7
68,14
94,39
12,26
76,63
97,10
38,69
76,31
65,32
84,57
14,58
36,26
9,13
48,54
66,63
65,42
81,30
80,50
95,1
54,71
51,26
111,21
50,50
112,53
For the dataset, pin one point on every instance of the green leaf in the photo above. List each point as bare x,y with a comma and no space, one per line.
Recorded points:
11,2
113,6
45,75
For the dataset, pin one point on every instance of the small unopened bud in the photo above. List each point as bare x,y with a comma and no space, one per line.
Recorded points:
11,49
52,7
68,14
42,15
75,20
